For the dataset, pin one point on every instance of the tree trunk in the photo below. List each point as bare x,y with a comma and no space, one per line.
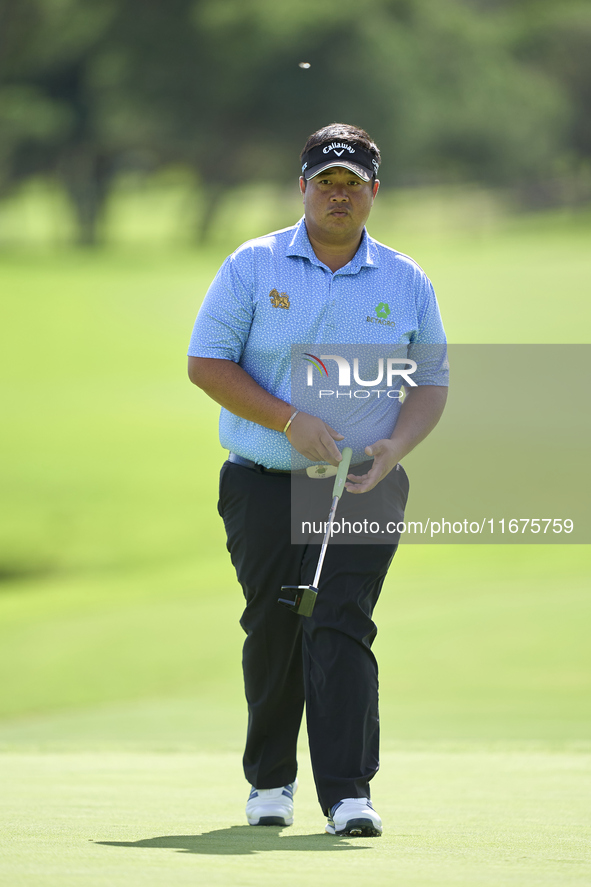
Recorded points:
213,193
86,176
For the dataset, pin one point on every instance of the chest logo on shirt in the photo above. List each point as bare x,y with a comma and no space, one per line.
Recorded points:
279,300
382,313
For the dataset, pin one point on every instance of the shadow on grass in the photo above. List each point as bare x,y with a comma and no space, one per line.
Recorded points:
241,840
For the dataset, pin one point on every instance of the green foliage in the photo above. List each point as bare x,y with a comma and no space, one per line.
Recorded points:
557,41
450,91
26,115
458,105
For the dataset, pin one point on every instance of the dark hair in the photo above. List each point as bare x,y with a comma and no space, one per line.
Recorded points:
343,132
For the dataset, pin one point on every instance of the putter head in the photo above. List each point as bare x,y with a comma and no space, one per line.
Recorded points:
302,599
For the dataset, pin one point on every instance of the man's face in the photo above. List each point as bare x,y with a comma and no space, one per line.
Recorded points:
337,204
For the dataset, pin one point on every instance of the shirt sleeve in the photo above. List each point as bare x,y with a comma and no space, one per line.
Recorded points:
428,347
225,317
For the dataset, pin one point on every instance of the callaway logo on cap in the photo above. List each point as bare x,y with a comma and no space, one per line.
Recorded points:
352,156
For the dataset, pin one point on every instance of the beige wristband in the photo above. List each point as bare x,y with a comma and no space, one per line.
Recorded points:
289,421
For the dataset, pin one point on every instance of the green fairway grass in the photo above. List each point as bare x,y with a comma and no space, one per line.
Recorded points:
121,710
485,643
475,817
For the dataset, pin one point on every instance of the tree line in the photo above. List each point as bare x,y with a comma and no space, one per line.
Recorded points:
497,91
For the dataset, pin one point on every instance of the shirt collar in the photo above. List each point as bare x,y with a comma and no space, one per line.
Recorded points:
366,256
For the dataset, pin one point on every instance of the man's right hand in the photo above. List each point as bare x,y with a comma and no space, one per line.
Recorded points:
314,439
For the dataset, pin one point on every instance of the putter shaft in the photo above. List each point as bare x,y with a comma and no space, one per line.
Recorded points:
331,515
305,595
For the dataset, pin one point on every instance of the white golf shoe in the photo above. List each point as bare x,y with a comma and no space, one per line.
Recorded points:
355,817
271,806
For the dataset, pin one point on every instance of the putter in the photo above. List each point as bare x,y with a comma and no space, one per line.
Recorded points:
305,595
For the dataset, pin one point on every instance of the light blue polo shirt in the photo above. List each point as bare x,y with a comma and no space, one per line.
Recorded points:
273,292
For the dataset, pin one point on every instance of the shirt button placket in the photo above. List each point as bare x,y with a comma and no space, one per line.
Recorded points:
327,323
330,315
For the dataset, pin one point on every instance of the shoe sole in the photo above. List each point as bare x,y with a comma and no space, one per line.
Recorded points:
360,828
272,820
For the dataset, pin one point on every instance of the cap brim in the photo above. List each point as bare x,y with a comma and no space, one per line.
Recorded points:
354,167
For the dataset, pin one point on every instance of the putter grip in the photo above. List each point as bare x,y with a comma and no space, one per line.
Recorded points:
339,481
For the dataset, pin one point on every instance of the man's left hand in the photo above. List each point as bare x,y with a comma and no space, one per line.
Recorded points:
419,415
386,456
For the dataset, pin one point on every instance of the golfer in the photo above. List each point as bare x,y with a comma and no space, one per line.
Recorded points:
324,280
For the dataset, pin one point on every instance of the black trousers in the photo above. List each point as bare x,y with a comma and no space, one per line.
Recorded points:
324,660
